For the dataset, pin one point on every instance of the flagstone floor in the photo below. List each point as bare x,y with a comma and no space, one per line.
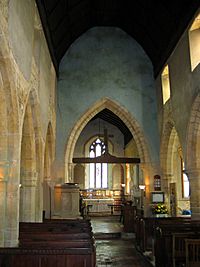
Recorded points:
113,247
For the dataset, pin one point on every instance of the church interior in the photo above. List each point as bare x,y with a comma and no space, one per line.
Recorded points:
100,116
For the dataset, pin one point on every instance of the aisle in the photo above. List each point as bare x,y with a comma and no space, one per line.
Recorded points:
113,247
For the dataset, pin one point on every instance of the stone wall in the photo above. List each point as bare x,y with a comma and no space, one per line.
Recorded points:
27,84
180,114
106,63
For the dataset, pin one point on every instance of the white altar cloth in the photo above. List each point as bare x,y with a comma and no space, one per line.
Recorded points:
99,205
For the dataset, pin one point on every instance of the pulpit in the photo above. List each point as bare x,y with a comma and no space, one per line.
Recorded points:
67,200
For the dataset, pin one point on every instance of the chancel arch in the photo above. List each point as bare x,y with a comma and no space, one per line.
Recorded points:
132,125
123,114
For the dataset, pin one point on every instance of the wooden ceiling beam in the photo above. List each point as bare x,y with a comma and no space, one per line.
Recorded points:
106,158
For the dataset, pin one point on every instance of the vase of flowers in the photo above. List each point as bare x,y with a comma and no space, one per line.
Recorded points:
160,210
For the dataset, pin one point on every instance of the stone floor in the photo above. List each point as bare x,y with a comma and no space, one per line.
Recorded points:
113,247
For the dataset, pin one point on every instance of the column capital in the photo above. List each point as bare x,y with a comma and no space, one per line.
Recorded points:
167,175
5,168
29,178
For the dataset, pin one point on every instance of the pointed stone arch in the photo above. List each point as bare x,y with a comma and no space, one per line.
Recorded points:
193,136
168,137
31,167
123,114
9,144
171,162
193,157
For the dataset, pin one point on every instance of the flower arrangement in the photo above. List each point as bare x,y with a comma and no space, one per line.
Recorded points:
160,209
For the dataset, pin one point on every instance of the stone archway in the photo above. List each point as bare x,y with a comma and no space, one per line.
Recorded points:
130,122
171,162
123,114
9,145
28,173
169,139
193,157
31,167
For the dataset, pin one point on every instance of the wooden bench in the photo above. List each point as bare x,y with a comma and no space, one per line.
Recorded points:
163,246
145,229
62,243
47,257
179,247
192,247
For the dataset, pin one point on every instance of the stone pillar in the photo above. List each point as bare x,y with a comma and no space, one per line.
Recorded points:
27,196
47,197
9,203
70,201
57,200
70,171
165,181
194,179
12,215
39,201
3,185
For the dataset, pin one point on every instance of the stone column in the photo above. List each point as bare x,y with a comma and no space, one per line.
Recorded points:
70,201
39,201
3,185
70,171
9,203
27,196
12,215
47,197
57,200
4,169
194,179
165,181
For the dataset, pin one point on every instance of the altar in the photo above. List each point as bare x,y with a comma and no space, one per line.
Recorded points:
99,205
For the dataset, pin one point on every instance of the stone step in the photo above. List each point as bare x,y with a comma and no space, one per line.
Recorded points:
104,236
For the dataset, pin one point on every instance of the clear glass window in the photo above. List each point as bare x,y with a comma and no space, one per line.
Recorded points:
98,171
165,84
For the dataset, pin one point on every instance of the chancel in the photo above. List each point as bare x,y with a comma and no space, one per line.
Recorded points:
99,133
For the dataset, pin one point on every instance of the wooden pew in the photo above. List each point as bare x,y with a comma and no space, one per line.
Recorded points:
192,252
164,239
145,230
179,247
59,243
47,257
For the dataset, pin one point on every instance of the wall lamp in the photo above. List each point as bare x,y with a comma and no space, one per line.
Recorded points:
142,187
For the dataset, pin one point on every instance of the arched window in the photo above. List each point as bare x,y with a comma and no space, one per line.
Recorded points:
194,41
98,171
185,181
165,84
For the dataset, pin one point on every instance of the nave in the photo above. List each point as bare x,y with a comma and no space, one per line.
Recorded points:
114,247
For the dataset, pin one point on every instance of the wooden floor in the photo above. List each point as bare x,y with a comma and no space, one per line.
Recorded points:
113,247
